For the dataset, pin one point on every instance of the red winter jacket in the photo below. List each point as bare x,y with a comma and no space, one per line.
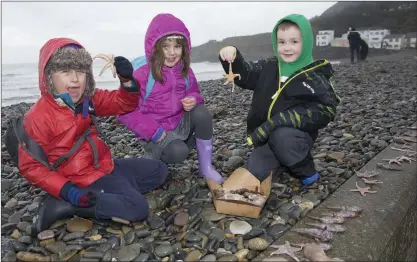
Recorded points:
56,129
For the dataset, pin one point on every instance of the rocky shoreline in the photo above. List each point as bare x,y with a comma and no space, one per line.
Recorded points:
378,103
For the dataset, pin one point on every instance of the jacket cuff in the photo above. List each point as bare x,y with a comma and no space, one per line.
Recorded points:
157,134
63,193
133,88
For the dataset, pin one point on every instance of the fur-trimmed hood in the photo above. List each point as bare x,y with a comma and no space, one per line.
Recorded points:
55,56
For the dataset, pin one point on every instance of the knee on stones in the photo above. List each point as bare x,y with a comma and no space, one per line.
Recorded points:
201,113
162,172
176,152
139,210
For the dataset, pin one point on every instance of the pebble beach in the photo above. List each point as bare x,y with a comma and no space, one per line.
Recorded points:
379,102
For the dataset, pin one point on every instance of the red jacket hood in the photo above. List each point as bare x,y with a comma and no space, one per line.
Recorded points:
46,52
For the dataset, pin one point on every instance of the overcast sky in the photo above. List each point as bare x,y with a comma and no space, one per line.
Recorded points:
119,28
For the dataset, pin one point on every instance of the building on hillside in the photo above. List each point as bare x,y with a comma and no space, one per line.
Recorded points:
340,42
324,37
373,35
395,41
411,39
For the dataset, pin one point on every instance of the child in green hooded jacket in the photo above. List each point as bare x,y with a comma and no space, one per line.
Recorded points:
293,98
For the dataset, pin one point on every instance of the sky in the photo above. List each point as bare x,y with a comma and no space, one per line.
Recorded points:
119,28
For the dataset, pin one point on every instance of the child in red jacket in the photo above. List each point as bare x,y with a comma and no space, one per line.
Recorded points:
79,172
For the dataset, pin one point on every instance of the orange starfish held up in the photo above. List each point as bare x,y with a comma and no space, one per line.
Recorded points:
231,77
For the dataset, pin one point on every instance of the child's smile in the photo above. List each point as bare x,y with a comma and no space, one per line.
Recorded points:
289,44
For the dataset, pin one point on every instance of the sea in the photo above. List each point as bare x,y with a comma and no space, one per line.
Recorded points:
19,82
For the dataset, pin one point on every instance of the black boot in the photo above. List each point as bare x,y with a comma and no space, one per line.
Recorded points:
53,209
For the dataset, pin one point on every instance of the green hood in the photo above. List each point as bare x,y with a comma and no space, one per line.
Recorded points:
306,56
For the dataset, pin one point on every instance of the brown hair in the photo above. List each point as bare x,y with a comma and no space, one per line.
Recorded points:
285,24
158,58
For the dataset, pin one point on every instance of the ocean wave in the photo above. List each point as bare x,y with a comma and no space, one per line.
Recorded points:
19,98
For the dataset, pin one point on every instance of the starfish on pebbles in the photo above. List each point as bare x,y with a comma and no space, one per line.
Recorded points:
362,190
231,77
109,63
286,249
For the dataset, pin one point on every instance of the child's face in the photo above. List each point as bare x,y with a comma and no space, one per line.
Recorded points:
71,82
172,51
289,44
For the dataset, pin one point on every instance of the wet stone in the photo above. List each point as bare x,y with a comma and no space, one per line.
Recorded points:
73,247
208,258
164,250
128,253
93,254
19,246
25,239
228,258
142,257
155,222
44,243
72,236
30,257
47,234
23,225
212,215
120,220
130,237
142,233
57,247
67,255
181,219
192,237
79,225
10,256
277,230
16,234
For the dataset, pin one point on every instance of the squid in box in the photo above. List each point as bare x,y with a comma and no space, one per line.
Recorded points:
242,194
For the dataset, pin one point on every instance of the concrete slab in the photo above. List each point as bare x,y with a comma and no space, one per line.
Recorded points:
387,227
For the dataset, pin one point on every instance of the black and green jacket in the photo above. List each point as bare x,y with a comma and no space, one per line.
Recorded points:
306,100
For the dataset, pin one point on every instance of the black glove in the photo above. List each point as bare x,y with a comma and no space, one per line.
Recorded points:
80,197
124,69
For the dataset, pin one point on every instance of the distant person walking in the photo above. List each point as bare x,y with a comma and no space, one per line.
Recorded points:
363,51
354,44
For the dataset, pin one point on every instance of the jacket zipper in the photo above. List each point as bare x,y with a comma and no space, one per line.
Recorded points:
276,95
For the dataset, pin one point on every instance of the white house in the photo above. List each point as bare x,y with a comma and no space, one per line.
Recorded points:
373,36
340,42
324,37
411,39
395,41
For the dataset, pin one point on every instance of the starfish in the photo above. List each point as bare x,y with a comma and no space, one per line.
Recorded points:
371,182
362,190
407,151
388,167
399,160
109,63
286,249
230,77
367,174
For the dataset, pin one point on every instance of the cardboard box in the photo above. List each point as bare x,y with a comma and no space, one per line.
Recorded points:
240,178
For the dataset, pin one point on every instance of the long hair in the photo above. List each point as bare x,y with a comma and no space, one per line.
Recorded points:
158,58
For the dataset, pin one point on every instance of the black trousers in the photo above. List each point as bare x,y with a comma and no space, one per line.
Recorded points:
286,147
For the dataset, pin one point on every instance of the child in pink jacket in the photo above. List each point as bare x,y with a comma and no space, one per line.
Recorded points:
172,118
